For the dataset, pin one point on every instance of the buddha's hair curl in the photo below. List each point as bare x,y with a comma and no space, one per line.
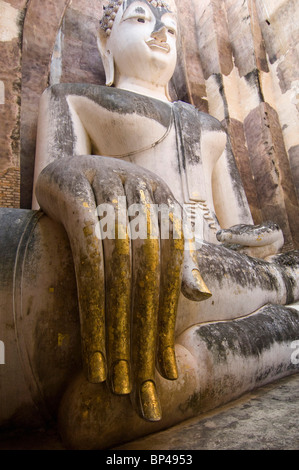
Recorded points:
110,12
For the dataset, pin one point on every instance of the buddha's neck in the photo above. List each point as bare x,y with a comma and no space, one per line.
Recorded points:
142,88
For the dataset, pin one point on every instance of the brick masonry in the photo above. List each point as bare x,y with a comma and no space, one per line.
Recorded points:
11,26
10,188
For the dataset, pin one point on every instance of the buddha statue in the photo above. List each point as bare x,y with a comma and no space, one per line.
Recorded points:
156,314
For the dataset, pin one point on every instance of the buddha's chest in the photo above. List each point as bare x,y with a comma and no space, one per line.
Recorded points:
112,131
155,144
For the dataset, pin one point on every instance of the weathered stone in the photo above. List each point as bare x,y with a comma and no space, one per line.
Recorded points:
279,27
9,132
273,179
188,79
10,77
236,132
214,45
40,29
294,164
20,4
222,348
24,231
80,60
287,71
8,22
274,18
245,37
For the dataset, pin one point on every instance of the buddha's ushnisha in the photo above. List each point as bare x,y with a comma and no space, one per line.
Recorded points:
110,12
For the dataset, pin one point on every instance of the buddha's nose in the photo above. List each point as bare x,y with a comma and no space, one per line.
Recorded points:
159,32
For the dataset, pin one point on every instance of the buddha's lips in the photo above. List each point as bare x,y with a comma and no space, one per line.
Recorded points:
153,44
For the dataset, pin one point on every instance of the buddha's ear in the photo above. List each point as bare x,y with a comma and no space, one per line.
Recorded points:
106,56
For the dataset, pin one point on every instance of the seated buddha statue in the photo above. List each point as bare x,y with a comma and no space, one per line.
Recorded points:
142,300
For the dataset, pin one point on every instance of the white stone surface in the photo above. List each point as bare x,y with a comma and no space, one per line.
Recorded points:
8,22
2,92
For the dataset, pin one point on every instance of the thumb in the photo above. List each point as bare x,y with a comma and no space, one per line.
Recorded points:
193,286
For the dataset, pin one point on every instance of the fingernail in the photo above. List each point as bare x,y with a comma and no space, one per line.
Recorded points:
150,405
121,378
169,364
97,368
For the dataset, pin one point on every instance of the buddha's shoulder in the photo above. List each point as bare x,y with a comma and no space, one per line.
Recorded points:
104,95
60,90
205,121
111,99
98,93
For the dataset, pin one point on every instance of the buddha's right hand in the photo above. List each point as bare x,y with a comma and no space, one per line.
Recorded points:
128,289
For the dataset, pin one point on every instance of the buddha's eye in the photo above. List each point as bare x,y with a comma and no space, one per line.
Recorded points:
141,20
171,31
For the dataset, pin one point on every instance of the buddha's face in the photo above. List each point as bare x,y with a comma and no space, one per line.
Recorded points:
143,42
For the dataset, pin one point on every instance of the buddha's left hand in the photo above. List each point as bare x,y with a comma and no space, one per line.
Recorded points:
256,240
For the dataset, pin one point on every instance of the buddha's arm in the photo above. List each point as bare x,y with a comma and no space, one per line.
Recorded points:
229,197
59,132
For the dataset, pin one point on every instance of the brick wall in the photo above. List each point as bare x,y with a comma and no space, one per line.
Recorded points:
10,188
12,14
